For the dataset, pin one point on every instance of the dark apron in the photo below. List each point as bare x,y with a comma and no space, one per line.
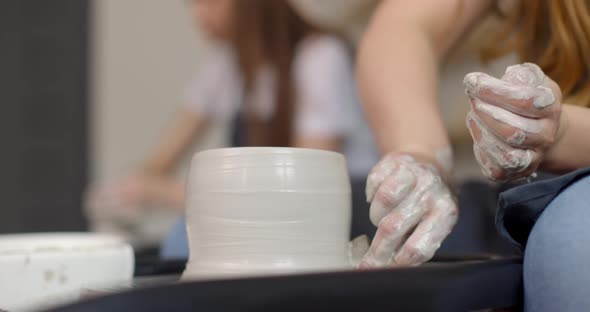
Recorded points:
238,131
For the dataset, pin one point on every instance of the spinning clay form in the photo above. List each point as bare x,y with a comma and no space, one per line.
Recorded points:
261,211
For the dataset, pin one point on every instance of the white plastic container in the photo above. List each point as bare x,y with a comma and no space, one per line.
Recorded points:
259,211
41,270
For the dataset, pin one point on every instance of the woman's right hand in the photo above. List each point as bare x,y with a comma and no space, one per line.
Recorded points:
514,121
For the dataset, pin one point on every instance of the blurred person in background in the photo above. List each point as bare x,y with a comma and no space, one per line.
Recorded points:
279,81
518,123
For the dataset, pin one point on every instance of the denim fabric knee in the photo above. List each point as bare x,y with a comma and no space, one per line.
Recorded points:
557,254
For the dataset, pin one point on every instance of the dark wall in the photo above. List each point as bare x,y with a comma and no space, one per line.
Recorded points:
43,106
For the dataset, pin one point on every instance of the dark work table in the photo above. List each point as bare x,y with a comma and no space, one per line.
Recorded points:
447,284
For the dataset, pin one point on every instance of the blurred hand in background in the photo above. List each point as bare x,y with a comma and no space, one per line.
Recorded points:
137,192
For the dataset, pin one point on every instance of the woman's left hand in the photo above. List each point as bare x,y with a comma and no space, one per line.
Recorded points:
413,209
135,193
513,120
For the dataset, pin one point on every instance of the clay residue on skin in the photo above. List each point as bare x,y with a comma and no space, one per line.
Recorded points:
501,157
412,224
531,75
357,249
509,118
485,168
399,185
525,74
541,96
544,101
381,171
517,138
499,153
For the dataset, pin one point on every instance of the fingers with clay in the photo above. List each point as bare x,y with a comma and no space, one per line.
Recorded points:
412,208
513,120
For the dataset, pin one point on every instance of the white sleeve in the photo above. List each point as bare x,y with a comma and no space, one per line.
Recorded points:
326,95
347,16
208,92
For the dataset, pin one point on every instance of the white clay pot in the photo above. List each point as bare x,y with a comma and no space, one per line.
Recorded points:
41,270
260,211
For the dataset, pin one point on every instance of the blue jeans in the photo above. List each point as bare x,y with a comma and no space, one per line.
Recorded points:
557,254
175,246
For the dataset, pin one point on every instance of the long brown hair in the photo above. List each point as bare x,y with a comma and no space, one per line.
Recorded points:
555,34
267,33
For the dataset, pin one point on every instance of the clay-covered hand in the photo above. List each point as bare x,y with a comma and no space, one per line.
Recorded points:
137,191
413,209
513,120
130,194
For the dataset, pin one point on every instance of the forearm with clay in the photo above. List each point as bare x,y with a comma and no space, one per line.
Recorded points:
411,203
